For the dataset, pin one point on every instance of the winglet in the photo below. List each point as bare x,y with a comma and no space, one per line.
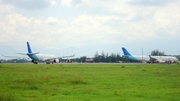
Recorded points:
125,51
29,48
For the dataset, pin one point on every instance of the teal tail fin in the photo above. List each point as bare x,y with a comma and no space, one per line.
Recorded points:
29,48
125,52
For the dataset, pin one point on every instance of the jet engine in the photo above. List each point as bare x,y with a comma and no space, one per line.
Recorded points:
56,61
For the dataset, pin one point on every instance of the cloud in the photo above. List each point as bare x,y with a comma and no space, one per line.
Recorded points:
92,23
5,9
151,2
17,26
30,4
69,3
167,23
52,21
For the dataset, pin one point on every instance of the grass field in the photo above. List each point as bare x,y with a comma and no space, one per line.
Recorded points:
89,82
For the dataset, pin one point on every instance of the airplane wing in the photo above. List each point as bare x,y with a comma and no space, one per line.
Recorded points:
65,56
17,57
59,57
154,59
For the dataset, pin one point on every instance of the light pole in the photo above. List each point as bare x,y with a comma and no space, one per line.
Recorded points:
142,55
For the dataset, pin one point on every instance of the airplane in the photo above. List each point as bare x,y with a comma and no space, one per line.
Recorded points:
163,59
135,58
36,57
157,59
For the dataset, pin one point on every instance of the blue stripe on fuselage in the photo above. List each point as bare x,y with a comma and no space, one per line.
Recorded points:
132,58
33,57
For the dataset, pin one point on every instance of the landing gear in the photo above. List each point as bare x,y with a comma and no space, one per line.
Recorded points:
35,62
47,62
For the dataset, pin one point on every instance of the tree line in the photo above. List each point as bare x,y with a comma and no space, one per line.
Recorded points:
14,61
113,57
157,53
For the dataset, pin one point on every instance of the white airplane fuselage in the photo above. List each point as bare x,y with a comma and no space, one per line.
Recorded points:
43,58
142,58
162,59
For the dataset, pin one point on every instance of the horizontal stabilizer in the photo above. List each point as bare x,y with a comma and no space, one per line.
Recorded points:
22,53
27,53
33,53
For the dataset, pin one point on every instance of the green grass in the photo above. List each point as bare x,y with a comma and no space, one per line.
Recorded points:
89,82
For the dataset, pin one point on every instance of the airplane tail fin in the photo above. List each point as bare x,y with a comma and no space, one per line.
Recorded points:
125,51
29,48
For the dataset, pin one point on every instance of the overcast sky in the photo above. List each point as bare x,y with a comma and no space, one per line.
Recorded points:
84,27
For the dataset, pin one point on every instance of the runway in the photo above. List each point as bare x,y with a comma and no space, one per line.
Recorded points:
74,63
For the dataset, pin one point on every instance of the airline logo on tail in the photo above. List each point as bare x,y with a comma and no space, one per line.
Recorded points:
125,52
29,48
